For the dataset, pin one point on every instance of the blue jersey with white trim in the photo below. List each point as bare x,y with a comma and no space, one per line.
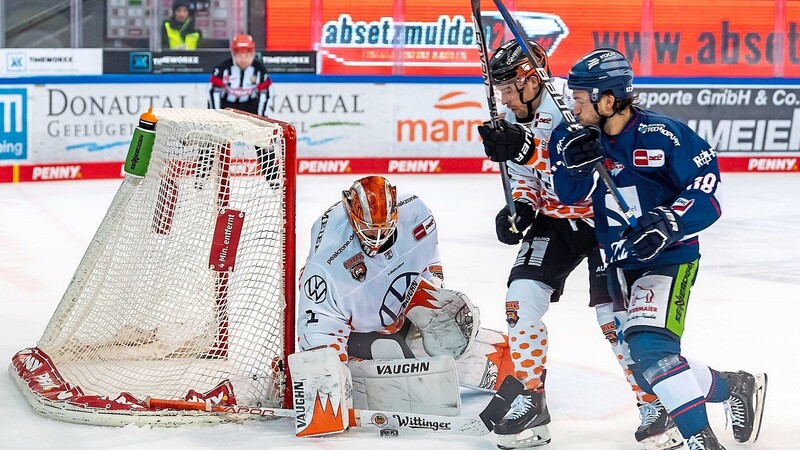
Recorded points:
654,161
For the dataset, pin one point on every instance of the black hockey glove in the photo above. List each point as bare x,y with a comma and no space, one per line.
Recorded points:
581,149
509,142
656,230
525,216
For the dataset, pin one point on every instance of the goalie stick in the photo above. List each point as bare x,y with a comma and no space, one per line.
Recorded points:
487,82
364,418
573,124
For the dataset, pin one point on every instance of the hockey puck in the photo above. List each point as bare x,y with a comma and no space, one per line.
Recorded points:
389,432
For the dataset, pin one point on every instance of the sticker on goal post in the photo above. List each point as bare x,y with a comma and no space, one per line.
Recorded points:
227,232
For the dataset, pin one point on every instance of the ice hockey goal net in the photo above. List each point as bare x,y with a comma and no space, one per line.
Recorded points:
186,289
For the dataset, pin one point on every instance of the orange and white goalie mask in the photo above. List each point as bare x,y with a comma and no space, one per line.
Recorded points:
371,205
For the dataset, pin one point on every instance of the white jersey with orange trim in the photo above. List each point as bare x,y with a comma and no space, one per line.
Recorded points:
533,182
342,290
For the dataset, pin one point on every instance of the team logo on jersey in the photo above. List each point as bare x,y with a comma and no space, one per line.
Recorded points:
610,332
357,267
353,261
681,205
543,121
512,317
641,295
359,271
316,289
425,228
648,158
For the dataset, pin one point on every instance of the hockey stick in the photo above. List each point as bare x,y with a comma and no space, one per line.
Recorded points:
487,82
362,418
573,124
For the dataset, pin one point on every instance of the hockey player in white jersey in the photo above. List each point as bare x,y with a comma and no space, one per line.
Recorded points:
372,272
557,239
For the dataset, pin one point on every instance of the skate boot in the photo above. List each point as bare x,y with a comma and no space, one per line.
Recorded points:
745,407
704,440
525,424
657,432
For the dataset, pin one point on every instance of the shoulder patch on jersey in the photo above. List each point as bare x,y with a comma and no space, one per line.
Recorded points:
425,228
648,157
681,205
705,157
543,120
316,289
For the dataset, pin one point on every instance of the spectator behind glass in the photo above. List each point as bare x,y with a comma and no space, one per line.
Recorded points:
179,33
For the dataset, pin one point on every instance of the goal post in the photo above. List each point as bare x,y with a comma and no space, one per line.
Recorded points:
186,290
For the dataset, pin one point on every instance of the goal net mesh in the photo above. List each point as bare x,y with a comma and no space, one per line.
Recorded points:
183,286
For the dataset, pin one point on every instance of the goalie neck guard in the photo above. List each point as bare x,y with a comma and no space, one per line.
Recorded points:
371,205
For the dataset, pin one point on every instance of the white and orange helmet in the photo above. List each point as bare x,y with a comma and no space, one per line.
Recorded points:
371,205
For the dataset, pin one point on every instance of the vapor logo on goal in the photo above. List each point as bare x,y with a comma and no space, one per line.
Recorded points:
13,123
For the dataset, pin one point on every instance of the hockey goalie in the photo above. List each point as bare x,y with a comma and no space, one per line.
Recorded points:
372,291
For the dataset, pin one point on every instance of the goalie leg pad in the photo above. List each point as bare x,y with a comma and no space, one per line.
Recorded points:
488,361
418,385
322,388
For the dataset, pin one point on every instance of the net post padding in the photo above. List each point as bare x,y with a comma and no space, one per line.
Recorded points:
186,290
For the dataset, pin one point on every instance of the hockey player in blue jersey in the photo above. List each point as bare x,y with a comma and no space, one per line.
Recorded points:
668,176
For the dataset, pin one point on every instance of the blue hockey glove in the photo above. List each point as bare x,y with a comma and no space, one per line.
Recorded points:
508,142
581,149
525,215
656,230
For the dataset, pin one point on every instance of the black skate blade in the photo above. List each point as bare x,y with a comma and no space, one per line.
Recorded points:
501,402
758,408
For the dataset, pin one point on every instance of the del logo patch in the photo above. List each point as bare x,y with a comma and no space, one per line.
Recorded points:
543,120
424,229
648,158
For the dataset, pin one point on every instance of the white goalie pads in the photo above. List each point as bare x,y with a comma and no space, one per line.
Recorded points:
487,362
447,319
418,385
322,392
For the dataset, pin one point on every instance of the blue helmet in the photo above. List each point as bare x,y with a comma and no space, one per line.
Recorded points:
601,70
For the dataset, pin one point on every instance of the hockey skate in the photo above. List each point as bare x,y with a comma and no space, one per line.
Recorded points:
657,432
704,440
745,407
525,424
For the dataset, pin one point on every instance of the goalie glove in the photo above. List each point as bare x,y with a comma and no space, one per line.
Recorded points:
447,319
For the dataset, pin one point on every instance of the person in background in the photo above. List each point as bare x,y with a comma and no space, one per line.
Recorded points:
178,32
240,82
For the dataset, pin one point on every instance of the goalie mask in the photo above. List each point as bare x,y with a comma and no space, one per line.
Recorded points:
371,205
